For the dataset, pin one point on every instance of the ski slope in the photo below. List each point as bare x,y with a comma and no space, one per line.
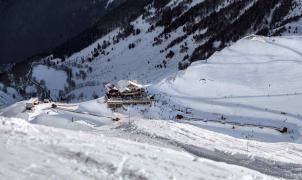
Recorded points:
257,81
35,152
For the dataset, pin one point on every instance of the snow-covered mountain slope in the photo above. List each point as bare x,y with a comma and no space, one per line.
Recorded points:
255,84
239,106
103,138
148,40
209,21
8,96
152,47
34,152
234,107
294,27
256,81
5,99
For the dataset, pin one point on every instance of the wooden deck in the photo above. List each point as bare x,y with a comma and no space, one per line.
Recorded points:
121,102
135,93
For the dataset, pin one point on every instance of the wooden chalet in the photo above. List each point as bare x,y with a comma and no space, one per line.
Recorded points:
126,93
30,104
111,91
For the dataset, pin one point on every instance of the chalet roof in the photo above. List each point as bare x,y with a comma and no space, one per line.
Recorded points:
110,87
135,83
126,85
33,100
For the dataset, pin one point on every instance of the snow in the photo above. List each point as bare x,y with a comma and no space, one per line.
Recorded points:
278,159
249,82
82,117
160,143
138,64
8,95
294,28
255,81
36,152
123,85
175,3
16,110
55,80
109,2
141,62
96,106
5,99
234,105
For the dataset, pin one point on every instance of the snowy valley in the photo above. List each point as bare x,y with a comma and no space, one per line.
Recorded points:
239,84
227,98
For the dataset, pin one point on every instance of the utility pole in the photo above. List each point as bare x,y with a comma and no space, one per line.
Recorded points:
129,117
247,144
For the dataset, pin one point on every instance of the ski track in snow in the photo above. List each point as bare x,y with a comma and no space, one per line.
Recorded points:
191,140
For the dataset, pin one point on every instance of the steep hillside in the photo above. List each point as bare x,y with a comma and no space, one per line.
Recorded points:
147,41
255,82
6,98
127,11
252,86
153,46
209,21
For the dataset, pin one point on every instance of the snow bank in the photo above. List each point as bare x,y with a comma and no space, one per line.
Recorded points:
16,110
45,153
